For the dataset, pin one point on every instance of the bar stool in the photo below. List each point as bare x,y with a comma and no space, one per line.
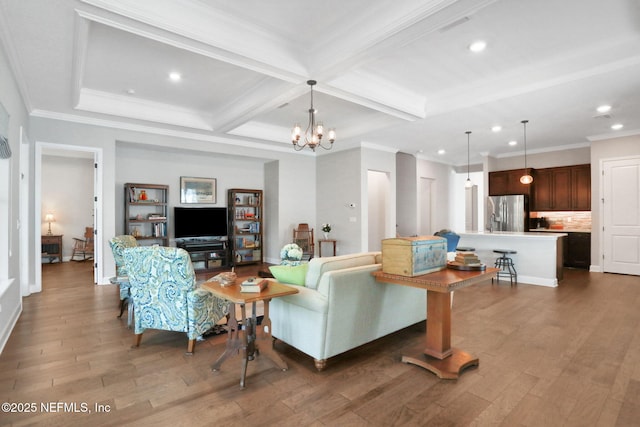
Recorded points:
506,266
465,249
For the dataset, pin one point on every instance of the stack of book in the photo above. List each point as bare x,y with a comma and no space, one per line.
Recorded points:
467,258
253,284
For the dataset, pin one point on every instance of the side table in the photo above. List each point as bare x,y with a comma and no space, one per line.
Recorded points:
245,337
51,246
437,355
321,241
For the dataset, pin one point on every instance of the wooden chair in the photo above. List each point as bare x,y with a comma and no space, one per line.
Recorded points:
83,247
303,237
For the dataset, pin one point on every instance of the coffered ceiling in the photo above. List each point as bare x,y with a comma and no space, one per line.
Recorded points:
396,75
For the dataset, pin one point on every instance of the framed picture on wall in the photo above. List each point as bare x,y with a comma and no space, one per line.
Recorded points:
197,190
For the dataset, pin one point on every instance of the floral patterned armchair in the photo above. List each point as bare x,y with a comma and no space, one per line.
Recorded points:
165,295
118,244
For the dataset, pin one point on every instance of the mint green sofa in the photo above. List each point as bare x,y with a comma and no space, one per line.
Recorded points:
342,306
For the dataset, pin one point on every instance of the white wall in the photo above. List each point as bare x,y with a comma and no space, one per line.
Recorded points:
342,198
10,279
290,199
296,171
410,171
339,183
139,164
407,212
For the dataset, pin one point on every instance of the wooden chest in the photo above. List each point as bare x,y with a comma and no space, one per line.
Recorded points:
414,256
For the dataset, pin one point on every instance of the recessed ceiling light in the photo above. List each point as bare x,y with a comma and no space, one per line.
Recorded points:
513,142
603,109
131,91
441,151
478,46
175,76
617,126
496,128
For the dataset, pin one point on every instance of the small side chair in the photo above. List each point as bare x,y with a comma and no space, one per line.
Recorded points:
303,237
165,294
83,247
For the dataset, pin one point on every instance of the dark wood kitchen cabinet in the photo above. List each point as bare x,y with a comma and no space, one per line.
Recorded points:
581,188
577,250
565,188
552,189
508,182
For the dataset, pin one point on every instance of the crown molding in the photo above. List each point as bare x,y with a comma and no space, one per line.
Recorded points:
91,121
544,150
378,147
618,134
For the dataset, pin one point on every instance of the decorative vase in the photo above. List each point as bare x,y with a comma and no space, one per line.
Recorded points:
326,235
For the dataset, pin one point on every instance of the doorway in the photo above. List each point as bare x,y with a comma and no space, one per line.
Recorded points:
71,151
425,210
379,193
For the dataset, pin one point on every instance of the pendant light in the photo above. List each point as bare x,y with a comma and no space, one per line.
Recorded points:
468,184
525,178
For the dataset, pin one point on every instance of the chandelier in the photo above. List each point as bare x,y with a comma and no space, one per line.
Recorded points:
315,131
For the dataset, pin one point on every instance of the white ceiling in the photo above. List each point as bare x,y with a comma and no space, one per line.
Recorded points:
397,75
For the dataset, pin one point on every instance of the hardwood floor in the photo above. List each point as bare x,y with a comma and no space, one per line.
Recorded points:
548,357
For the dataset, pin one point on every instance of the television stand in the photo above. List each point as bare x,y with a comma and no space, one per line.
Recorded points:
207,256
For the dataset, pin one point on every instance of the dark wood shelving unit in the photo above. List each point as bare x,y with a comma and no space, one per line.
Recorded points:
246,240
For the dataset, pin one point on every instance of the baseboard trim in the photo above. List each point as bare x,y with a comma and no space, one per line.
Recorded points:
6,332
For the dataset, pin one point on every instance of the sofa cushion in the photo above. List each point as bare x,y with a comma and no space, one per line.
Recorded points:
289,274
318,266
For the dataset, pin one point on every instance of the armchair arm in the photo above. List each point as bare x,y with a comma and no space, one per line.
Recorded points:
204,310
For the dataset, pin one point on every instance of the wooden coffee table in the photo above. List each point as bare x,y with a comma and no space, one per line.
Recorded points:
245,337
438,356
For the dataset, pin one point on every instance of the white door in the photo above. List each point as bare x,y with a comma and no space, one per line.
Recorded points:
621,216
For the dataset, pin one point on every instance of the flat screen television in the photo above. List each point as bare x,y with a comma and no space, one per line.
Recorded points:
199,222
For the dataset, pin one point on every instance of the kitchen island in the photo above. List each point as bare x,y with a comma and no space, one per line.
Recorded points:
539,259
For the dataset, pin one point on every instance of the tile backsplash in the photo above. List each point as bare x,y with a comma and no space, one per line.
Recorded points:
580,220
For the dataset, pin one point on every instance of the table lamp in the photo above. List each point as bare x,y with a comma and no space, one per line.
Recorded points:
49,218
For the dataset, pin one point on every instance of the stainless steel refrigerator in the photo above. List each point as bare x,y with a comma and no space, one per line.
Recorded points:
507,213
